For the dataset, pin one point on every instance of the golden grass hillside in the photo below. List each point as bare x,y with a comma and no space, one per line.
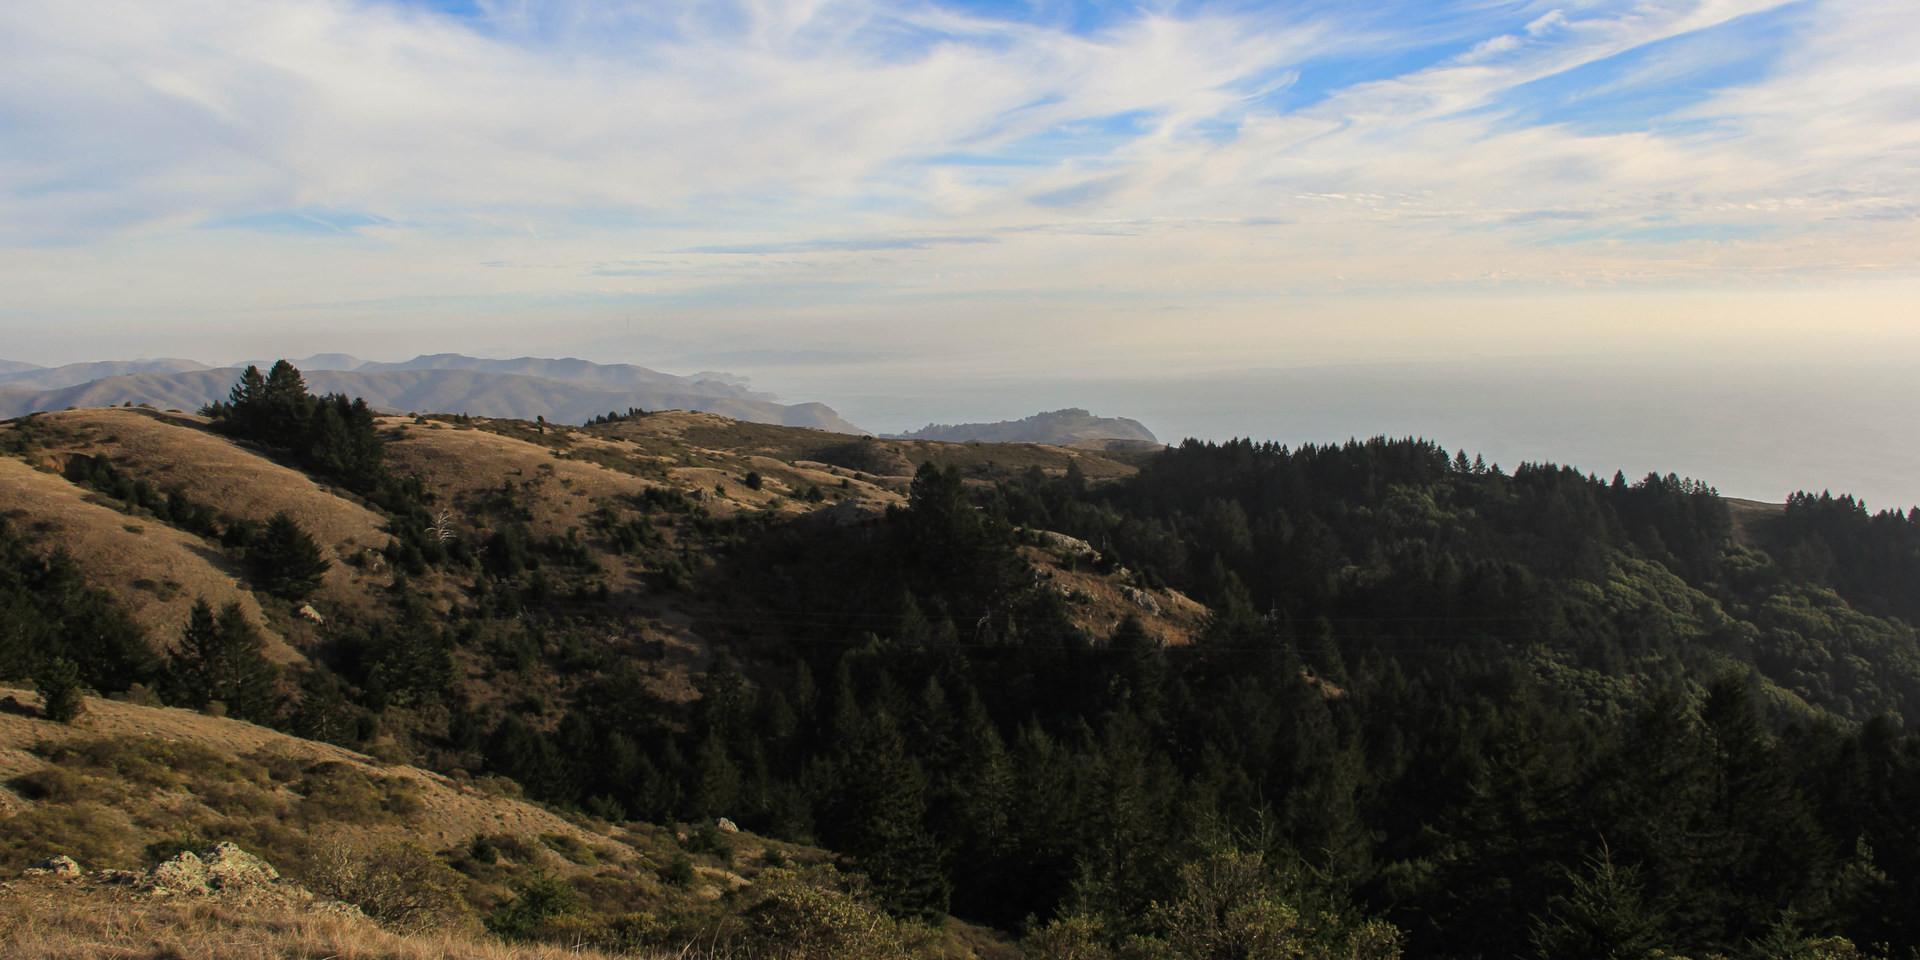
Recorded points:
177,451
127,786
155,571
1098,602
175,758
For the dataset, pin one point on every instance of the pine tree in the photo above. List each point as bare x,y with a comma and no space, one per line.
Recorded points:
224,658
58,682
878,817
284,561
286,408
245,402
1603,917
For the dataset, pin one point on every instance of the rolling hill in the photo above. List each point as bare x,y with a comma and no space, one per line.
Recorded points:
563,391
1060,427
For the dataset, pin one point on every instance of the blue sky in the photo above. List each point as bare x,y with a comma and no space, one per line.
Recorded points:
956,186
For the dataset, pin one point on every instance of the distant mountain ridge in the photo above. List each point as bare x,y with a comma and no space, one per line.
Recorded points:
1058,427
19,376
564,391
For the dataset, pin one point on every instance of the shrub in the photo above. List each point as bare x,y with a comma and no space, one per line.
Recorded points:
482,850
711,841
538,902
396,883
569,846
336,792
88,832
803,916
679,870
52,785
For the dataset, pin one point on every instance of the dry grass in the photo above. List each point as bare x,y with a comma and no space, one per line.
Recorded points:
170,450
44,922
1098,602
463,466
155,571
175,449
448,812
1747,514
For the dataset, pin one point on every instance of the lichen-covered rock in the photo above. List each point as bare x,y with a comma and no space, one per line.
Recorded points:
184,873
1142,599
230,868
59,868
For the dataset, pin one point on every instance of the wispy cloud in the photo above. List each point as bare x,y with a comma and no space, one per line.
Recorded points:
856,154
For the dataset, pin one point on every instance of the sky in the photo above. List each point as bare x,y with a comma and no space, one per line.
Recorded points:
878,203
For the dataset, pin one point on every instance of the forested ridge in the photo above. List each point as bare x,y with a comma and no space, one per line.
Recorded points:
1440,708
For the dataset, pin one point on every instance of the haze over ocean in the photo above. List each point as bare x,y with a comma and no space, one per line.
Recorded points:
1755,430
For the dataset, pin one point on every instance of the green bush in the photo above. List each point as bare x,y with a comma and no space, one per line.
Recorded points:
803,915
710,841
397,883
1231,906
678,871
539,901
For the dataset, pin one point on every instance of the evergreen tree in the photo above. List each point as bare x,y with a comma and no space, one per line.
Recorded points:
1603,917
58,683
284,561
224,658
878,817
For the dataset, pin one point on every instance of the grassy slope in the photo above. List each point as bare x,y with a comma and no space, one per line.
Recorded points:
155,571
80,790
176,450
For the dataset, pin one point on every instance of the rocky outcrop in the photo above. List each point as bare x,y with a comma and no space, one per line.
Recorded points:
222,872
58,868
1141,599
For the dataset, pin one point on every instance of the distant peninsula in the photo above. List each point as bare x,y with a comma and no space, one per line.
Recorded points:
1058,427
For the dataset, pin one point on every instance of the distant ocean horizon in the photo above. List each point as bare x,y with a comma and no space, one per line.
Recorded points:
1754,430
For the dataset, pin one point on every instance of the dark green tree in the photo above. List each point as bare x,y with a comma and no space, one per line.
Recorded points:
284,561
878,816
1604,916
224,658
58,682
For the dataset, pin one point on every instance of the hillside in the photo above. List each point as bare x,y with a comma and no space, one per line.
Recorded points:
1059,427
127,787
1391,690
154,571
